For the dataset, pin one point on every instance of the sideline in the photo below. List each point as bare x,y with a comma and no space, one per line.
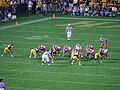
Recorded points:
95,19
25,23
44,19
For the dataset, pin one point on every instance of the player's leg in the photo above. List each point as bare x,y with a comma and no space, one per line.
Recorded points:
100,58
73,59
31,53
34,53
5,50
52,58
96,57
79,62
11,53
47,59
43,59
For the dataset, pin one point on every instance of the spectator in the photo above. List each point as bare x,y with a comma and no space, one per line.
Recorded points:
1,16
56,5
74,11
86,11
80,10
96,12
104,11
30,4
92,9
44,6
114,11
39,5
34,7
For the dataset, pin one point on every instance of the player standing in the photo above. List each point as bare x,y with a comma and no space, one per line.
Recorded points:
103,42
69,29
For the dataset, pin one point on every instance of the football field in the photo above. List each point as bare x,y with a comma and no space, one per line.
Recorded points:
24,73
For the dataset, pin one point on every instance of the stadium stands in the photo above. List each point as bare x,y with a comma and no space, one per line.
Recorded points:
79,7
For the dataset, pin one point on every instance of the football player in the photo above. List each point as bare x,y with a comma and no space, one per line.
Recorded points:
75,56
35,52
90,51
103,42
42,48
99,55
79,48
8,48
56,50
45,57
66,49
105,52
51,55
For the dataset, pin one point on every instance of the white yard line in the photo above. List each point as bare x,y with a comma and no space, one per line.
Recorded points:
25,23
96,19
30,71
24,88
44,19
63,81
64,34
57,38
61,27
45,44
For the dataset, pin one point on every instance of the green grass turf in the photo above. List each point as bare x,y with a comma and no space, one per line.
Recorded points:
22,73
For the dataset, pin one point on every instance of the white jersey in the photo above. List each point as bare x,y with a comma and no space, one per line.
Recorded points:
2,86
30,4
69,29
47,53
67,48
105,50
41,47
45,56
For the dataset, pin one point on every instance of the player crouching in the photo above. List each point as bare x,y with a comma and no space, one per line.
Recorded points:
42,48
99,55
75,55
67,49
105,51
8,48
90,51
56,50
35,52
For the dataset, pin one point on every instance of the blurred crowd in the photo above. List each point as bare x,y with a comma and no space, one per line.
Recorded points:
9,9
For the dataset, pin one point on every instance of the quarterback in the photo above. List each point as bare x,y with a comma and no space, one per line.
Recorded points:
75,55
